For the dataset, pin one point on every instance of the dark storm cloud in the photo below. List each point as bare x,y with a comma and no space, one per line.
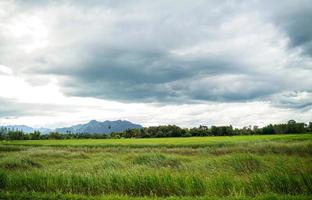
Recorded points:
142,76
170,51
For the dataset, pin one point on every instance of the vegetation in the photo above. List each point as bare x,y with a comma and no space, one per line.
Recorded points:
227,167
183,142
164,131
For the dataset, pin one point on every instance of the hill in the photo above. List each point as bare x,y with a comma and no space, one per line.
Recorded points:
99,127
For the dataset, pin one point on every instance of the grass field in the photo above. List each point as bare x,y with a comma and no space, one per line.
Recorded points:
167,142
237,167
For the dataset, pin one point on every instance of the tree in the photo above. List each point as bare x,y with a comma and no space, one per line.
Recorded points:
54,135
34,136
16,135
267,130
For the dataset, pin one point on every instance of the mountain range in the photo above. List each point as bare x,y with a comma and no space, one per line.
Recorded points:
93,126
26,129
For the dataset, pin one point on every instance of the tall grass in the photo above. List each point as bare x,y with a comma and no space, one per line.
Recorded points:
231,170
244,163
157,160
159,184
9,148
20,163
135,184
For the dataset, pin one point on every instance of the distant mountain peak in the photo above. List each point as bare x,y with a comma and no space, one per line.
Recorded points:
104,127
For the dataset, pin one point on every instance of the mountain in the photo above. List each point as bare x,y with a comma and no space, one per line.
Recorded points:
99,127
92,127
26,129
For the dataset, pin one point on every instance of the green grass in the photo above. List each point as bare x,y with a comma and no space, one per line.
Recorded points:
238,167
166,142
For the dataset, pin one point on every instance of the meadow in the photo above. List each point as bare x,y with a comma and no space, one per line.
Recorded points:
226,167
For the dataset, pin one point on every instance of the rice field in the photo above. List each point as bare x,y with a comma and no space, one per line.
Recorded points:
166,142
237,167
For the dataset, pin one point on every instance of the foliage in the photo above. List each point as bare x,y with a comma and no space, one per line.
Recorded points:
165,131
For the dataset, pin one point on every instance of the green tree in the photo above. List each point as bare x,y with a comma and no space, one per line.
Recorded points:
54,135
35,135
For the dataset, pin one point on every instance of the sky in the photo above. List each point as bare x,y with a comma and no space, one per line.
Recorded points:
177,62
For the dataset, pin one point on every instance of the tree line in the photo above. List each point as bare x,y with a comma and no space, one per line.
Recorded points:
164,131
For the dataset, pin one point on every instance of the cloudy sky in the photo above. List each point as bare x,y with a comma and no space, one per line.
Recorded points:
155,62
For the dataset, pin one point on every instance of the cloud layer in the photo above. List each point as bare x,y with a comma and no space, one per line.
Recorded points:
167,52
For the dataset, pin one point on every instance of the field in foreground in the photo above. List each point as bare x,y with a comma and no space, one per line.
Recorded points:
238,167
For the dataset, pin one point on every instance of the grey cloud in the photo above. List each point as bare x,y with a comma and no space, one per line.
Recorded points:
11,108
294,99
294,18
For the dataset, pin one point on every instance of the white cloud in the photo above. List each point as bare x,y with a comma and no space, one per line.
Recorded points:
5,70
